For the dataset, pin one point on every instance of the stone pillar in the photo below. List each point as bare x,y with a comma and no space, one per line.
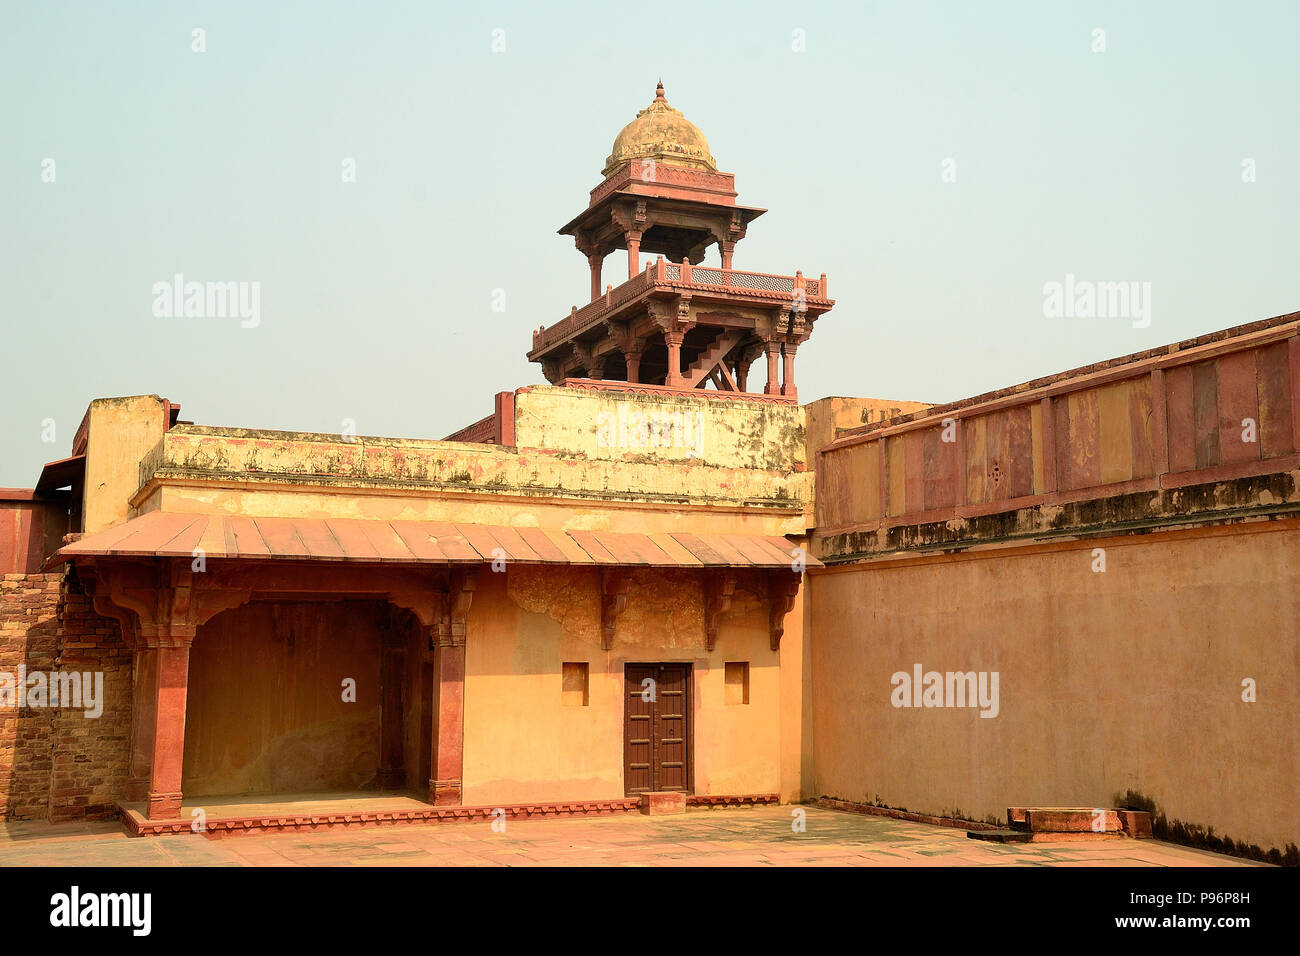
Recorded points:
445,788
633,360
773,387
726,247
787,377
674,342
166,750
595,261
633,253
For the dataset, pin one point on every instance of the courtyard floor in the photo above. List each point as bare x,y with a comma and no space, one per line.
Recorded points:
758,836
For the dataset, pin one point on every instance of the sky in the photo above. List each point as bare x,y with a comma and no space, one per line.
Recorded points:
943,163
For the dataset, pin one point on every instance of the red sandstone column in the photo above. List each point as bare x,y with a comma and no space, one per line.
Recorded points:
726,248
633,254
787,378
449,731
674,342
773,386
595,261
633,359
168,745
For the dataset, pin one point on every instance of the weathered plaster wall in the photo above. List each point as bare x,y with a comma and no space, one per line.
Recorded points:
1127,679
120,432
265,710
522,743
627,426
577,455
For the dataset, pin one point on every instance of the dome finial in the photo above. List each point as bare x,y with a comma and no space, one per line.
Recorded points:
659,92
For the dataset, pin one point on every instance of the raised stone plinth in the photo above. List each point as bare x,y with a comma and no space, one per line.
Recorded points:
663,802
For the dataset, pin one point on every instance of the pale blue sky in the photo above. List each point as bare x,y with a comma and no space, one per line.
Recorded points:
376,296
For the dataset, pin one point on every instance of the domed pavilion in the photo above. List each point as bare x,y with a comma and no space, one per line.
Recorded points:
675,323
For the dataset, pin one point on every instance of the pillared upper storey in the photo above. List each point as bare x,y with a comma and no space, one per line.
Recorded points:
675,323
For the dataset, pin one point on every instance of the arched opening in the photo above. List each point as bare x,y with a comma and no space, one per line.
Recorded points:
305,697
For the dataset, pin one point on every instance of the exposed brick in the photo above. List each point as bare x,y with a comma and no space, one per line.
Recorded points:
57,764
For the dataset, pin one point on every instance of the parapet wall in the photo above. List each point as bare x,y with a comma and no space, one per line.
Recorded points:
1165,436
572,448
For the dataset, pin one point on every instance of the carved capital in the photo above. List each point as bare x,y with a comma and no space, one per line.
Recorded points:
457,600
671,315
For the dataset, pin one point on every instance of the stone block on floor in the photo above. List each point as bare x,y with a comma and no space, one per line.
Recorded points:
663,802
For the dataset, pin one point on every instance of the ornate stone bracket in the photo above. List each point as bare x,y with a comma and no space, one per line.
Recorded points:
584,357
552,369
158,603
613,602
719,588
457,599
782,588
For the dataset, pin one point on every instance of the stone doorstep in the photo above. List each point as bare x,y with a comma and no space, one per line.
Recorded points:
663,802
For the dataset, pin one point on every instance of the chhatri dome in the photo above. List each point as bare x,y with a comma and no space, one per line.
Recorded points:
662,134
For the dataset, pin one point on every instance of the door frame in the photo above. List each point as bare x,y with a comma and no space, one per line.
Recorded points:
688,715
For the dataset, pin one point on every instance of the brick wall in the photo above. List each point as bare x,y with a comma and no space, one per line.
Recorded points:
57,764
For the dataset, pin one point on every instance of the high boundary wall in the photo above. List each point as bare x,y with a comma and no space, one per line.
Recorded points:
1121,545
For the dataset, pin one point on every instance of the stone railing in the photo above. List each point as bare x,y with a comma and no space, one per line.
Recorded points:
681,276
613,385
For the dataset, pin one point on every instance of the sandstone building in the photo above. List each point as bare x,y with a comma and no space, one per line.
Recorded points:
656,576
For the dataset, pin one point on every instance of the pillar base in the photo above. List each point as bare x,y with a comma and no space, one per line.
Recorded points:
445,793
164,806
789,391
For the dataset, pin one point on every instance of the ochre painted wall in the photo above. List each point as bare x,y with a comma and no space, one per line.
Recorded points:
522,743
1127,679
265,711
121,432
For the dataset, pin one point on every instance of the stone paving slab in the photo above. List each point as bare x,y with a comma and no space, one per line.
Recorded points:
752,836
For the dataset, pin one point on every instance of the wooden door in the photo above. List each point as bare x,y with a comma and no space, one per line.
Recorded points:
657,728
